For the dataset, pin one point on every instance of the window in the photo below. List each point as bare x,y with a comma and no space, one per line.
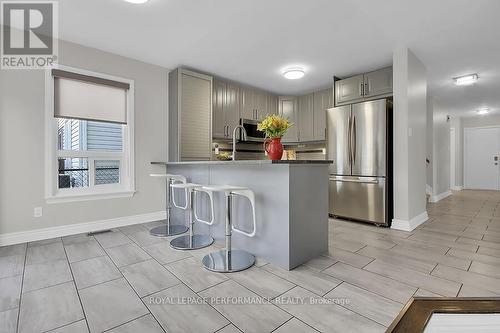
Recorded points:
89,126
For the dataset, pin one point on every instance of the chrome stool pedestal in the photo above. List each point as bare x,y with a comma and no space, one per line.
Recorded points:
191,241
229,260
169,229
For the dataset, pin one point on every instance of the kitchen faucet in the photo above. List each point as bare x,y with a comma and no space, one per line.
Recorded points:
234,139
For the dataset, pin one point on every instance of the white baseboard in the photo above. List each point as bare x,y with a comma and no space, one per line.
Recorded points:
411,224
457,188
440,196
73,229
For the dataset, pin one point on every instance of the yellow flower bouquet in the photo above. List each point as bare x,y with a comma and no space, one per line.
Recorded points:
274,126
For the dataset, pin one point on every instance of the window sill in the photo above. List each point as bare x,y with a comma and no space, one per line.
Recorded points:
89,196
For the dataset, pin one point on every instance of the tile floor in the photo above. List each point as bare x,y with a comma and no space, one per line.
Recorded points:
128,281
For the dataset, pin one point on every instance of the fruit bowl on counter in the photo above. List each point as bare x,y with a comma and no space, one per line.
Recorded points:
224,156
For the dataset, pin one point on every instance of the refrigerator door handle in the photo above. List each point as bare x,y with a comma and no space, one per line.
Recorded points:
354,134
354,180
349,141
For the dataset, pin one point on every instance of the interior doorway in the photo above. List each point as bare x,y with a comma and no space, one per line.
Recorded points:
452,158
481,158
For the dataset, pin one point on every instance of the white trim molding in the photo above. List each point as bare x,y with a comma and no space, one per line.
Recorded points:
440,196
409,225
73,229
428,189
457,188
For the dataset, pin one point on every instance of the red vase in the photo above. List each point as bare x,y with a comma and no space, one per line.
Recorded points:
274,148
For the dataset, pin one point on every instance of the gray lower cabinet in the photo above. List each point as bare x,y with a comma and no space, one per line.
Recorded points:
190,115
306,117
323,100
288,108
364,87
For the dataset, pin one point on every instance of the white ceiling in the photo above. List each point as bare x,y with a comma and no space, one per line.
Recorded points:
252,40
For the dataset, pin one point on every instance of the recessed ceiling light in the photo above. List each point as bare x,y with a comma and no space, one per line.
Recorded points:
137,1
465,80
483,111
293,73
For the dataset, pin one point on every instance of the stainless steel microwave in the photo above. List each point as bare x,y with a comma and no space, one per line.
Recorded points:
253,134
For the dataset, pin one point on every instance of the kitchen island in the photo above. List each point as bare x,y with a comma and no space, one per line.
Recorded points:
291,205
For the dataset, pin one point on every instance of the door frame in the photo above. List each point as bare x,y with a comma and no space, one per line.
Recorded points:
466,130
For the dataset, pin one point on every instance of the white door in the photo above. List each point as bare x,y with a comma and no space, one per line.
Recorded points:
452,158
482,150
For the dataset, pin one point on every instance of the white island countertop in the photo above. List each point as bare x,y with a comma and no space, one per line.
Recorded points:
245,162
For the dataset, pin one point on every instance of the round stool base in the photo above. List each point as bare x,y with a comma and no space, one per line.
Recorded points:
194,242
224,262
165,231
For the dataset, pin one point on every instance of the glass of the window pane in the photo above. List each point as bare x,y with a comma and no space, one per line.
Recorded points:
107,172
74,134
73,172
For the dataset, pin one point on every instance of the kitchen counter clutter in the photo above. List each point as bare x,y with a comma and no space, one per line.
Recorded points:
291,199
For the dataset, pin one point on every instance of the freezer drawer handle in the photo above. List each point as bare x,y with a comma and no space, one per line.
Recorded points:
373,181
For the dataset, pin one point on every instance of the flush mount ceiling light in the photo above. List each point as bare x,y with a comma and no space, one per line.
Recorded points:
483,111
137,1
465,80
293,73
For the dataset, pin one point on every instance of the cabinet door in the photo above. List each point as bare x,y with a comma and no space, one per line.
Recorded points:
247,109
272,104
288,109
232,108
306,117
378,82
349,90
260,104
323,100
218,118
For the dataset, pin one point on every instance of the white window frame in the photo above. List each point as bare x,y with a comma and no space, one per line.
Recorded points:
126,187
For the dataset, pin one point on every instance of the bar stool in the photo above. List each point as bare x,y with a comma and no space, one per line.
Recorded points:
192,241
229,260
169,229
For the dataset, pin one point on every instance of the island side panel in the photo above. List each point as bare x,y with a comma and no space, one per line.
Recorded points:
270,183
308,212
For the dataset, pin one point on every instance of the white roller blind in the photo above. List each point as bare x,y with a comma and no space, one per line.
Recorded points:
88,100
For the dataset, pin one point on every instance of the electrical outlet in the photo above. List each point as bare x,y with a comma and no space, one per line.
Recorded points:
37,212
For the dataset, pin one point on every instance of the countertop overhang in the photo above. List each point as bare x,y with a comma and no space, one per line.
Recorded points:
245,162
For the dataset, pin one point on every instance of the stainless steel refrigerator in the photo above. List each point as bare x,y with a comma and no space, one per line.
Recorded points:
360,146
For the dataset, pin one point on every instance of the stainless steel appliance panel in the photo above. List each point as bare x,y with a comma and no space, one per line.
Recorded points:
253,134
338,143
368,143
361,198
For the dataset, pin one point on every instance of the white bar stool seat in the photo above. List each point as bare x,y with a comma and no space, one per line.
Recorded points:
169,229
192,241
229,260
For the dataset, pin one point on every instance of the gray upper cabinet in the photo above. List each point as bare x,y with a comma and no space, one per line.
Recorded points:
190,115
219,129
288,108
350,89
232,108
260,103
247,108
364,87
306,117
378,82
323,100
272,104
225,109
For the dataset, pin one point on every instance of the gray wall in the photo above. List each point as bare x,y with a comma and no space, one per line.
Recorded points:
410,105
22,143
430,141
